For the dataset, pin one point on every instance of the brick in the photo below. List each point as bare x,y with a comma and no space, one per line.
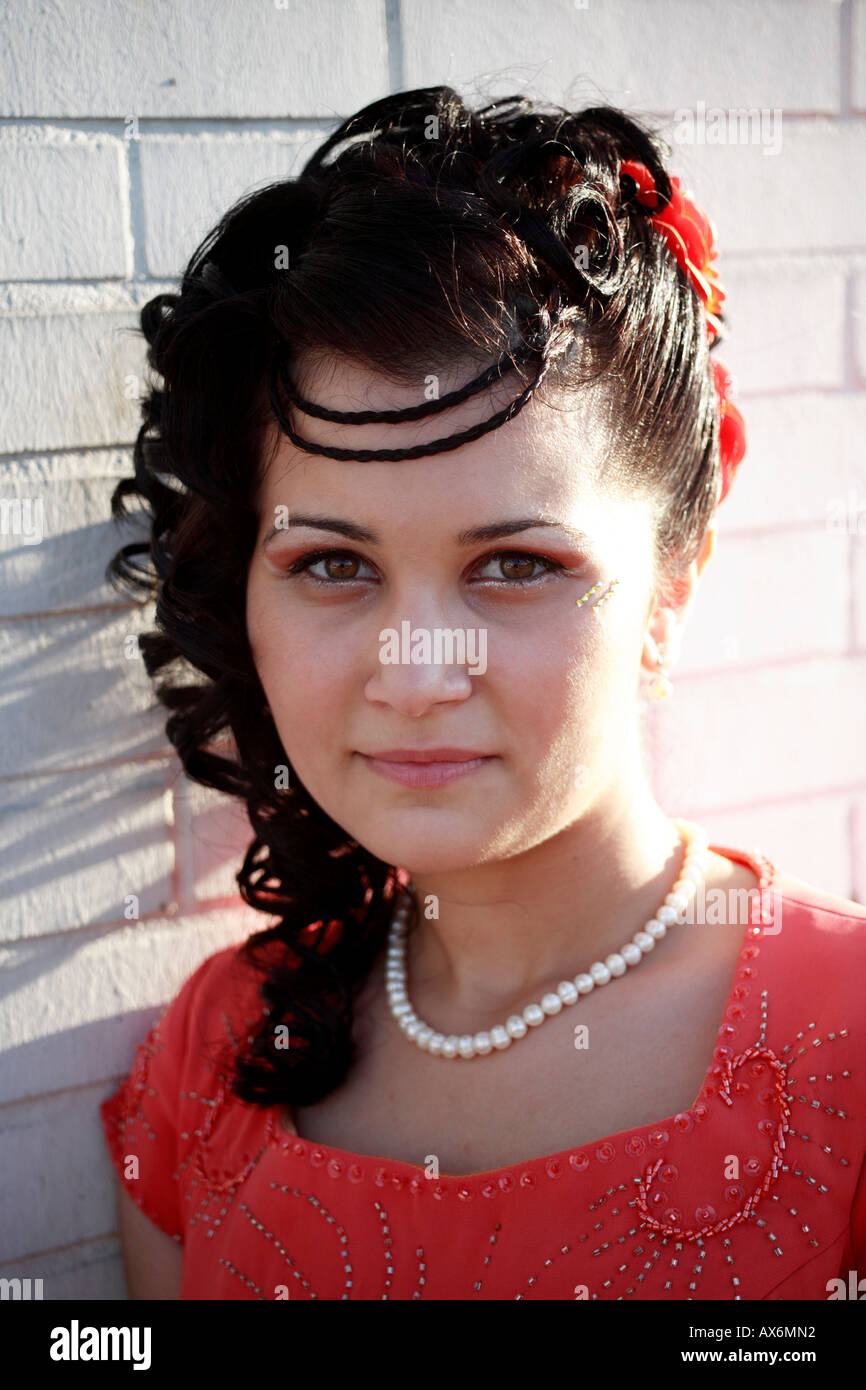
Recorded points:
858,562
83,346
785,731
859,328
90,1270
858,55
803,609
64,205
804,457
786,324
104,58
858,819
72,696
79,844
755,199
808,838
189,182
69,507
213,834
74,1018
62,1190
658,55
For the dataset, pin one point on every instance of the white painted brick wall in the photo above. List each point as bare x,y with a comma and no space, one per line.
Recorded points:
65,200
787,323
654,56
125,131
184,177
859,328
77,845
60,574
858,56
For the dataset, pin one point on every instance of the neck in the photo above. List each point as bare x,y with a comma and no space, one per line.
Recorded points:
509,931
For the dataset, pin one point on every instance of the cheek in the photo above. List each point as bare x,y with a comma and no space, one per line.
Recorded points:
562,663
304,678
568,689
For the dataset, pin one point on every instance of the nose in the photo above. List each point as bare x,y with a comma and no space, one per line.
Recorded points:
418,667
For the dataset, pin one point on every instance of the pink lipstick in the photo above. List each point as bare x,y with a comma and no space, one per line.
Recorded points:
425,767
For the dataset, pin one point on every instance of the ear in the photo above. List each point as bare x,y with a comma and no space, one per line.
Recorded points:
663,632
707,548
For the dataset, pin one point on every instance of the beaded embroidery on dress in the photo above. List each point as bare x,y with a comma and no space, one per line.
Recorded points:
757,1191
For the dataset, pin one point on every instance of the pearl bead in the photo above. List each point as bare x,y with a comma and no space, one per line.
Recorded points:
686,886
673,909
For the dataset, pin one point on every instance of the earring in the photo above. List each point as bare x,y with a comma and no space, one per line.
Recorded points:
606,595
661,684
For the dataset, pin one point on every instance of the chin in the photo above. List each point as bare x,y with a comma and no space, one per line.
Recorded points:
426,848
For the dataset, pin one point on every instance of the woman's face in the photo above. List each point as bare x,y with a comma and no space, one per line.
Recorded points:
546,690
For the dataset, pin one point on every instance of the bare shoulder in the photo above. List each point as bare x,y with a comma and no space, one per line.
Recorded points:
152,1260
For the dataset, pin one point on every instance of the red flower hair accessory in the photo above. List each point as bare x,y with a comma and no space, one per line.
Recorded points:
691,236
732,427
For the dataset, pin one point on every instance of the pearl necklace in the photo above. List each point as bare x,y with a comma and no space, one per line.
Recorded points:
600,973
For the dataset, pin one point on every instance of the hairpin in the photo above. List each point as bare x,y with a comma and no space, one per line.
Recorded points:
606,595
691,238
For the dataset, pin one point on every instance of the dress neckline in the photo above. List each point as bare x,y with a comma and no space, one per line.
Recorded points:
400,1170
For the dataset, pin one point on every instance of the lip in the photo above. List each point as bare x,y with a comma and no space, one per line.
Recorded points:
426,755
426,768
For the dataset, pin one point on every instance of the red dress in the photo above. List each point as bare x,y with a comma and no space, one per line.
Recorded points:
655,1212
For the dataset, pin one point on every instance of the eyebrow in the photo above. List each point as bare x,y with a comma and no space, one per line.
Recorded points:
494,531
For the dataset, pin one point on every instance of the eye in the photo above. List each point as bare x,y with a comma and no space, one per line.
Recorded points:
508,560
342,558
521,560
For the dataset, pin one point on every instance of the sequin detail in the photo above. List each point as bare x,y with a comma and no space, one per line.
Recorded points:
263,1210
670,1224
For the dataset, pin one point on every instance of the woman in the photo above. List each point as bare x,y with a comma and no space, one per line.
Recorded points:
432,477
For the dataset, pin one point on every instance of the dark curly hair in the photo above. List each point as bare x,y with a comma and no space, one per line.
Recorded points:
430,237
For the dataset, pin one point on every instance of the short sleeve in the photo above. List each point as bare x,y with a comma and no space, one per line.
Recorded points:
141,1119
857,1224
